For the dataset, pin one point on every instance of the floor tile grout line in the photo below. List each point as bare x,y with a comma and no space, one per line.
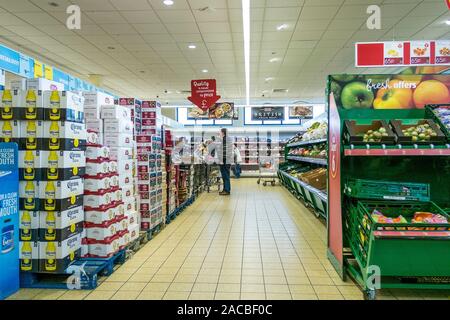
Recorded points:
260,250
228,241
278,250
178,227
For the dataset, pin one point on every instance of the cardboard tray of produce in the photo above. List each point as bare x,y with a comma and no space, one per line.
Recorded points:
442,119
426,131
362,134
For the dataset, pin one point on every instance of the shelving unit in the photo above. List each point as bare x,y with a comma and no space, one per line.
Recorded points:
407,255
305,143
322,162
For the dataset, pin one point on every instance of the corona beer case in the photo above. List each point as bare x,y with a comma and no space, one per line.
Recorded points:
28,225
30,165
62,165
60,225
30,136
31,105
29,195
29,256
9,131
60,195
63,135
9,105
63,106
56,256
43,84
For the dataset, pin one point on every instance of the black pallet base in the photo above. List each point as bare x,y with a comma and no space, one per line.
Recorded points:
155,230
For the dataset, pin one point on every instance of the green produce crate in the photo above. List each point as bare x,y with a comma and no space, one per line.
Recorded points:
429,111
387,190
360,226
398,125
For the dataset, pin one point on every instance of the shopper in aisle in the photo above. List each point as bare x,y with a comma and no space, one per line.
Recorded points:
237,162
223,150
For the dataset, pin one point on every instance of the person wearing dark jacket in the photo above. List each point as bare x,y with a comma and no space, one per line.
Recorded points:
224,152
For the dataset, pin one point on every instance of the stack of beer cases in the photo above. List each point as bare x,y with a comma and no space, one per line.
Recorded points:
163,186
47,126
150,168
172,191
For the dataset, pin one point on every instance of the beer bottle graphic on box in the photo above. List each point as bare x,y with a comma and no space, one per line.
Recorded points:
7,111
29,170
27,257
31,108
55,106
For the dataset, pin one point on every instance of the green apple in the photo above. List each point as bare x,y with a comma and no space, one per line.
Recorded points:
356,95
343,77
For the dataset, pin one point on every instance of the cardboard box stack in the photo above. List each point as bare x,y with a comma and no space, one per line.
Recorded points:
150,169
110,204
47,124
172,189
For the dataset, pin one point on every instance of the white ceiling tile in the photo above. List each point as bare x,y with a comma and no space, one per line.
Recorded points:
178,5
178,28
319,12
54,29
214,4
284,3
347,24
25,30
158,47
282,13
308,35
217,37
131,5
128,39
91,29
150,28
97,5
19,6
117,29
276,36
188,37
216,15
317,24
157,38
174,16
38,18
105,17
146,16
214,27
8,19
61,16
352,11
303,44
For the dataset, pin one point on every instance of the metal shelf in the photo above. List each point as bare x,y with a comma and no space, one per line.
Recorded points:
399,151
311,189
303,143
320,161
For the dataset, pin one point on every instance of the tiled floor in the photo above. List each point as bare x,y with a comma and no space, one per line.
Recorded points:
259,243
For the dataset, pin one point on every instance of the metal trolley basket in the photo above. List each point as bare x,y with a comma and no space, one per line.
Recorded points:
268,167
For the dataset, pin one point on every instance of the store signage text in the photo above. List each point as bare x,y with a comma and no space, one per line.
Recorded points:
268,113
203,93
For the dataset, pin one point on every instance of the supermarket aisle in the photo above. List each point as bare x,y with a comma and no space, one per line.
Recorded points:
260,243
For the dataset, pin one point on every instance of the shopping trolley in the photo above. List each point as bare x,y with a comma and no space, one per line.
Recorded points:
268,167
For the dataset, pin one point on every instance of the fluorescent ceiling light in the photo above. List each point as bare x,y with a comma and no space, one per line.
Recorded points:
282,27
168,2
205,70
192,46
447,22
246,28
269,79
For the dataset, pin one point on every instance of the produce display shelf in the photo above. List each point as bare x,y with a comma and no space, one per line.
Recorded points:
303,143
320,161
397,151
322,195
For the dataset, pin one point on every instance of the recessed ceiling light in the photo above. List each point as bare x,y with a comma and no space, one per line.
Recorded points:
111,48
168,2
269,79
53,4
192,46
447,22
282,27
274,60
205,70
